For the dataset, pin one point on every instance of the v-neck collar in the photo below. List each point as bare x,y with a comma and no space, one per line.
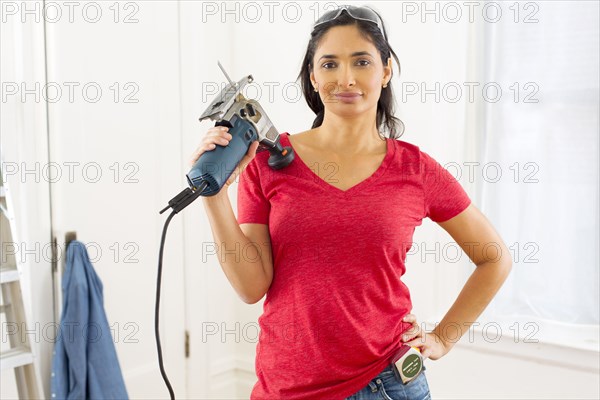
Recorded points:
356,188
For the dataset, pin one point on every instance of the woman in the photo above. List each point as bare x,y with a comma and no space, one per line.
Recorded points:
327,245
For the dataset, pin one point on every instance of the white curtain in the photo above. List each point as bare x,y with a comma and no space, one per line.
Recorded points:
544,142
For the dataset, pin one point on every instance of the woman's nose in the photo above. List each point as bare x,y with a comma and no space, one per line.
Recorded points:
346,76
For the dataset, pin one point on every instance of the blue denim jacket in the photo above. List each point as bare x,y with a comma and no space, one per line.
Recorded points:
84,363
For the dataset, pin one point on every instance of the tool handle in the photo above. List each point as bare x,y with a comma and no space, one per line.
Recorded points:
216,166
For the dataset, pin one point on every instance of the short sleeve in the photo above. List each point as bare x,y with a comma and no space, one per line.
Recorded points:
253,207
443,195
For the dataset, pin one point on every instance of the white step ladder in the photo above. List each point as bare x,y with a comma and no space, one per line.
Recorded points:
19,355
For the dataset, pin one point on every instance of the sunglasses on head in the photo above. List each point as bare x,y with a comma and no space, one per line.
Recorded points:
363,13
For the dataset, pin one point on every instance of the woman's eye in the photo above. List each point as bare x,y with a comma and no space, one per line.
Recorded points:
362,63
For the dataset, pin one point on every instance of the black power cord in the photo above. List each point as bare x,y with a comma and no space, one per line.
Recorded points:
178,203
156,308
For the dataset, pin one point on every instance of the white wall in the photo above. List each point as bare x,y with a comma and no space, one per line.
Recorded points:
135,143
170,55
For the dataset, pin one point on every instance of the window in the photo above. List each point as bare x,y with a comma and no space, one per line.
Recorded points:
542,136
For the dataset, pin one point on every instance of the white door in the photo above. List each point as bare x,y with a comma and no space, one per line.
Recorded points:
115,139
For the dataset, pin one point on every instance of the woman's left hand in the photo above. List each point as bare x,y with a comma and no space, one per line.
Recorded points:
430,344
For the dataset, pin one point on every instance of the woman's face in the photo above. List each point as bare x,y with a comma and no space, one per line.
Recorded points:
348,71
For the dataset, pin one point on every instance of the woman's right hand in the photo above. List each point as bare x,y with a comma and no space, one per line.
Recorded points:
219,135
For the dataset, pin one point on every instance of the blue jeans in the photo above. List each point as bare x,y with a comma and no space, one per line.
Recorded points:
386,386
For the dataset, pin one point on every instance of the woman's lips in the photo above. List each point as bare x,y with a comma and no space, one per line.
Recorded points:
347,97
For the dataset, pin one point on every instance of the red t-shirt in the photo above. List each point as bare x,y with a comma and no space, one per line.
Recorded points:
332,318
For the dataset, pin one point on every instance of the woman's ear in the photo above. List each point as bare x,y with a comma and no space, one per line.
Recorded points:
388,72
313,82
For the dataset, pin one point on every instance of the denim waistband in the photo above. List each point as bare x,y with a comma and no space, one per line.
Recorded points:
389,369
376,383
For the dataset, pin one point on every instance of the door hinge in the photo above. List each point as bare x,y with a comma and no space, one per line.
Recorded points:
187,344
54,259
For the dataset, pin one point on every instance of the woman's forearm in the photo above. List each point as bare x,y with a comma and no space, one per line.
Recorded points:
239,258
478,292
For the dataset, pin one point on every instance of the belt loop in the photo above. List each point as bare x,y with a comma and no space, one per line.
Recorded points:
373,387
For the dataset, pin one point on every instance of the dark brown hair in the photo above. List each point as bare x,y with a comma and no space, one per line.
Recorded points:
385,106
